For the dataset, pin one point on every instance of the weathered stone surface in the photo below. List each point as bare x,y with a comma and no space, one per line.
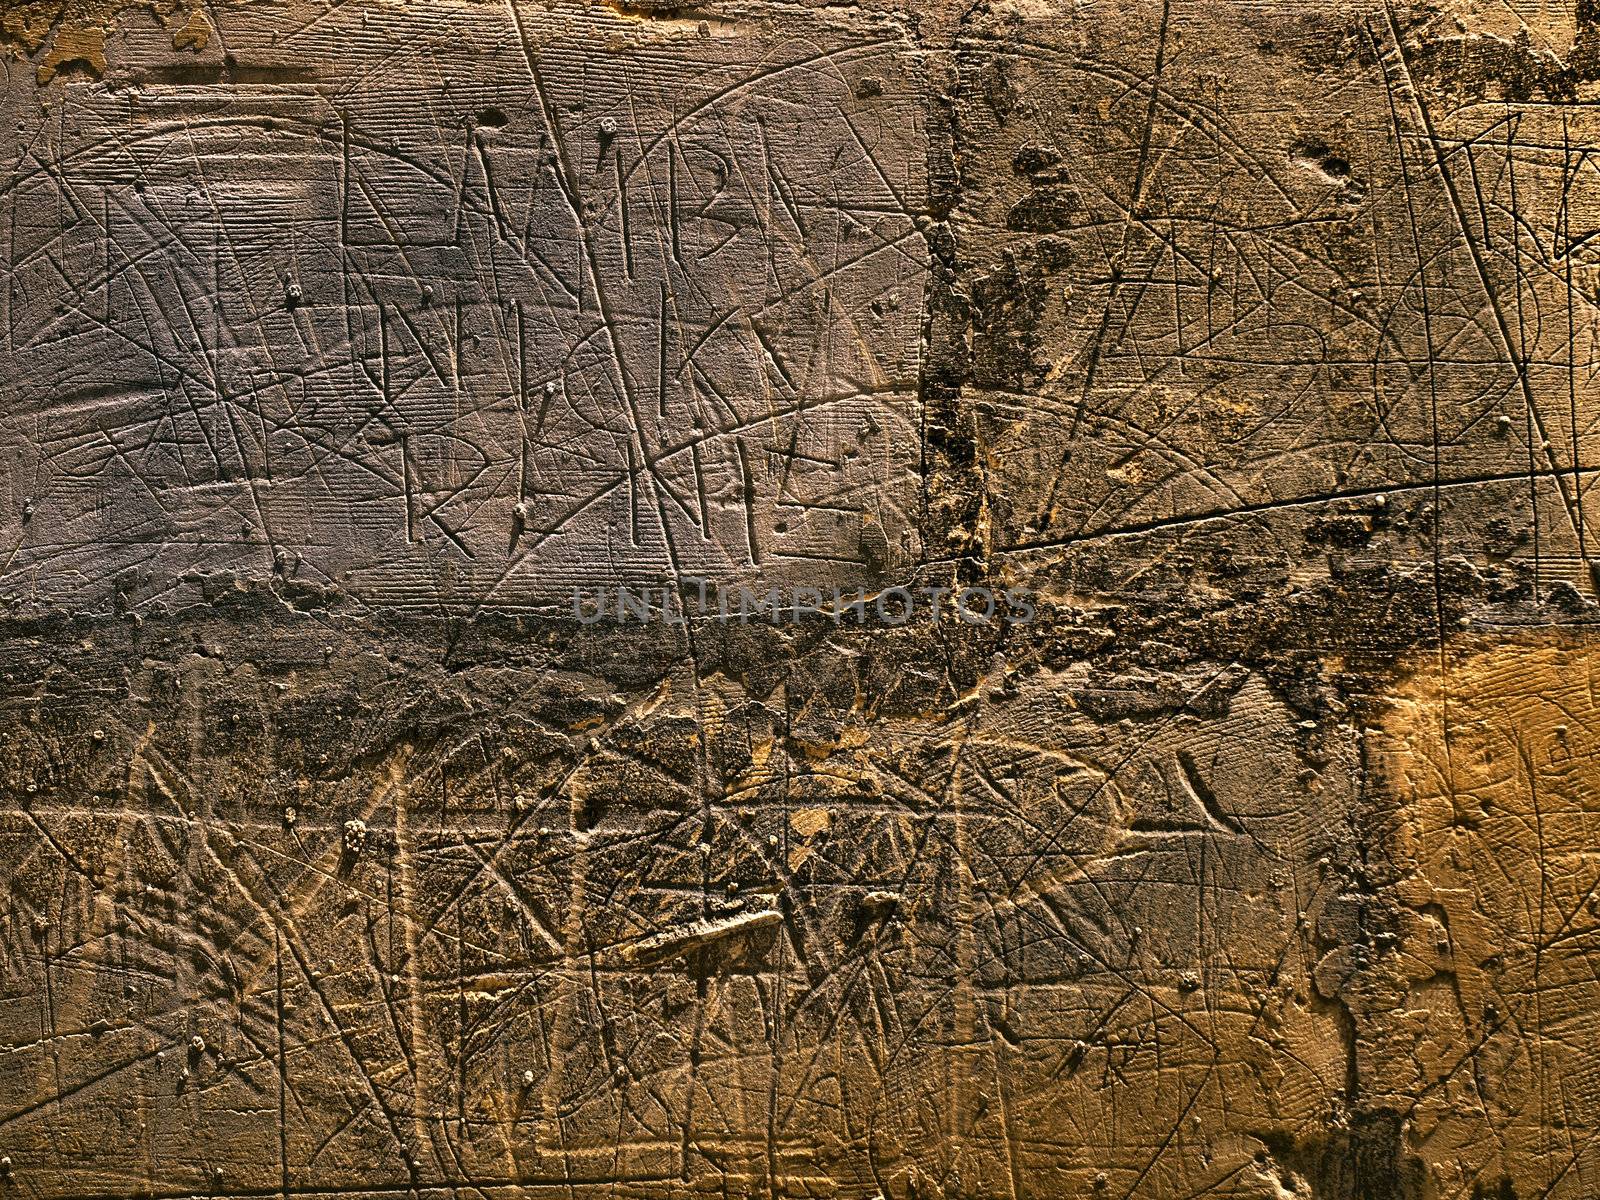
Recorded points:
463,307
1251,346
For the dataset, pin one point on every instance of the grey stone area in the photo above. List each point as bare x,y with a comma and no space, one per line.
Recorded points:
458,307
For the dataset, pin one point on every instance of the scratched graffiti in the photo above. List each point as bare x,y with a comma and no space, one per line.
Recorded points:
467,326
1255,346
1221,319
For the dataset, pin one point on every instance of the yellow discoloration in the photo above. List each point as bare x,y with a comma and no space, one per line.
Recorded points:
806,823
80,28
195,35
75,47
1491,755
